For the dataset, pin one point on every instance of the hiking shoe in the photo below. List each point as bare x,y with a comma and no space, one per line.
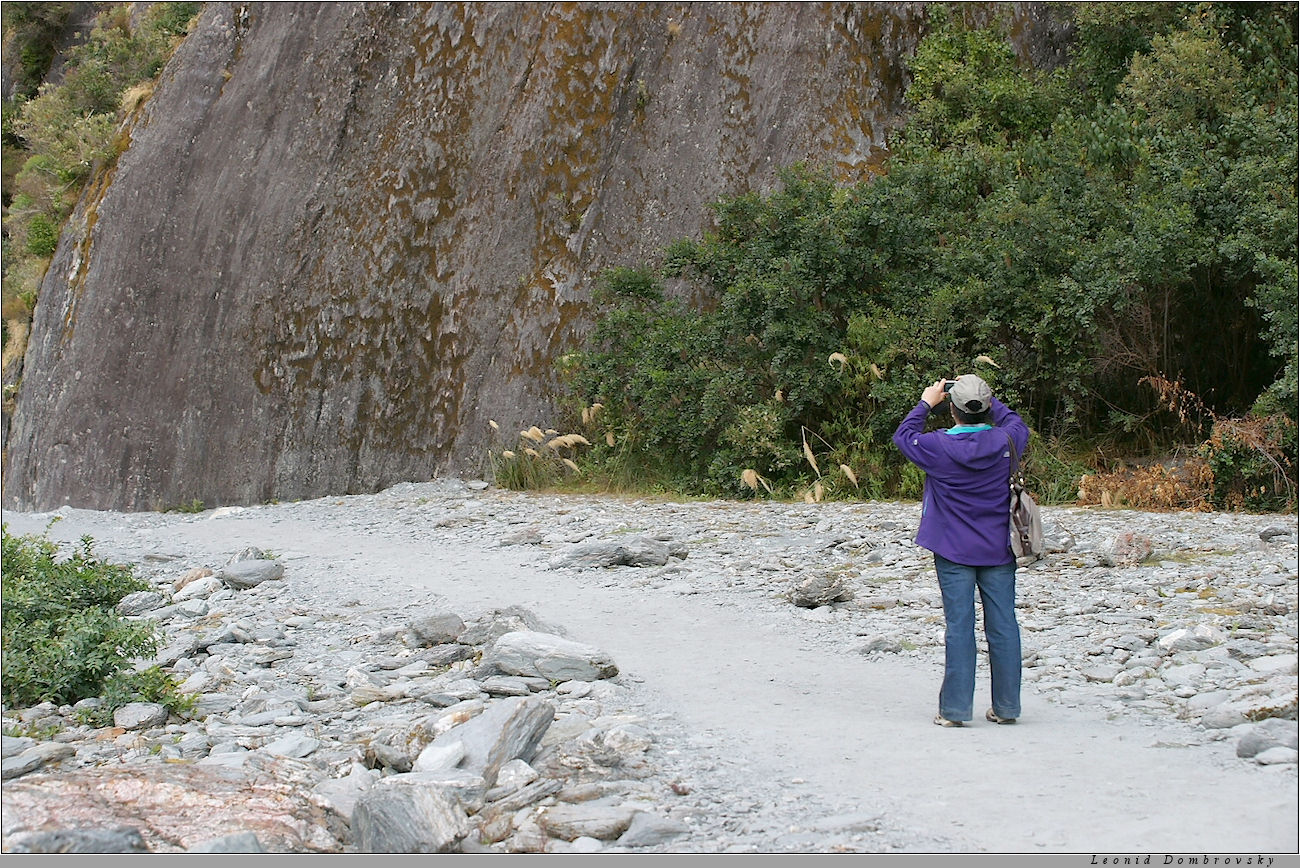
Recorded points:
993,718
940,720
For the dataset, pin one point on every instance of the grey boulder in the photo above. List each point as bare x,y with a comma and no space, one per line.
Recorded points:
528,652
242,575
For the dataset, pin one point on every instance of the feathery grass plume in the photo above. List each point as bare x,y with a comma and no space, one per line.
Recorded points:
532,453
552,431
848,471
506,453
808,453
752,479
814,494
571,464
986,360
838,357
495,426
567,441
779,396
609,438
875,369
534,434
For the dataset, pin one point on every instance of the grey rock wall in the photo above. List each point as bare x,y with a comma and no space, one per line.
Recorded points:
344,236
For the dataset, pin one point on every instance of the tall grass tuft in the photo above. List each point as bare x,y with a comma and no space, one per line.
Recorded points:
525,468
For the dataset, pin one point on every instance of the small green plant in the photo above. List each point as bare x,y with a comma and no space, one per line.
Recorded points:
146,685
34,731
192,506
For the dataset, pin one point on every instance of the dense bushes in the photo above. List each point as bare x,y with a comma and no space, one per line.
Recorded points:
63,639
1073,235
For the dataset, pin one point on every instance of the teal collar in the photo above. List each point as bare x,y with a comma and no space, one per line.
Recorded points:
966,429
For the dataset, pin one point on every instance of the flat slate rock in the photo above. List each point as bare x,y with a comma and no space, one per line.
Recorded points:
245,574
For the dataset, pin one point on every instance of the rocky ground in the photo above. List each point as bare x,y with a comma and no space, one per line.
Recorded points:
450,667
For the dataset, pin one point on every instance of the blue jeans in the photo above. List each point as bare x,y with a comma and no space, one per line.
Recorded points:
997,589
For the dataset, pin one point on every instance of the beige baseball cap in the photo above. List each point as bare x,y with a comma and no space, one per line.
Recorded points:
970,394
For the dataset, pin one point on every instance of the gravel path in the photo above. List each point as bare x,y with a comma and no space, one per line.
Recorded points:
789,736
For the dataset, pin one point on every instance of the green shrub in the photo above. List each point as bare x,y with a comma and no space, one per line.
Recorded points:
1253,462
63,640
42,236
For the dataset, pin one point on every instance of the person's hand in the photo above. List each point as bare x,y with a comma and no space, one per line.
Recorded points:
933,394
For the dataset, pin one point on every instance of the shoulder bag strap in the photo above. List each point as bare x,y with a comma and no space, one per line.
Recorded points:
1017,478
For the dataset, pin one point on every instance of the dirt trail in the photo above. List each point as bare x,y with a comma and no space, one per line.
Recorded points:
789,708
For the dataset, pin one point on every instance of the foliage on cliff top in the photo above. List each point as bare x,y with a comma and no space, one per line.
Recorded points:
56,135
1122,220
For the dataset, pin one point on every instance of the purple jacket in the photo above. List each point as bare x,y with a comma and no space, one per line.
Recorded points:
965,509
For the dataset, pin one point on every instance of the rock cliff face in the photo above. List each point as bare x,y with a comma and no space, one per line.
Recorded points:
344,236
